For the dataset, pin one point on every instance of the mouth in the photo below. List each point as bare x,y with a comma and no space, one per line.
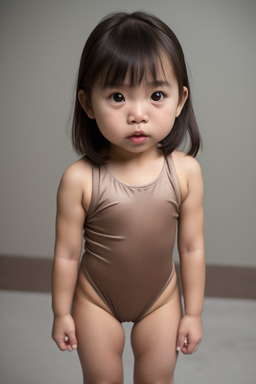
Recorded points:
138,137
139,134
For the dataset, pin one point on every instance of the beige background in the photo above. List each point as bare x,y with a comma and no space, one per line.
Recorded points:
41,43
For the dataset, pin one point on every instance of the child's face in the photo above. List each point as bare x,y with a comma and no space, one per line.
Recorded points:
134,119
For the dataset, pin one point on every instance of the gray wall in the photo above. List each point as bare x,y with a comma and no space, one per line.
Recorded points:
41,42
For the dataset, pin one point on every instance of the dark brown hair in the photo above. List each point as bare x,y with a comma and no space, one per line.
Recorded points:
128,43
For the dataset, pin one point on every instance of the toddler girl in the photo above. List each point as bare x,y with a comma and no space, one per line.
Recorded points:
126,195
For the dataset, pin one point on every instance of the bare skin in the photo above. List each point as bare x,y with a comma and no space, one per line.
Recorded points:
153,338
91,327
90,313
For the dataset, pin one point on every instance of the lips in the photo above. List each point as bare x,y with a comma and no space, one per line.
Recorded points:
138,134
138,137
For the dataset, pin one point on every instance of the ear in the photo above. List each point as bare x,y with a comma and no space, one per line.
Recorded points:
182,101
85,103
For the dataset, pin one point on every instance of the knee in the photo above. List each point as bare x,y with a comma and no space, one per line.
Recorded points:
150,372
154,381
107,378
104,381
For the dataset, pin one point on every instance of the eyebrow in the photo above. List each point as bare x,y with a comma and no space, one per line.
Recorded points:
159,83
154,83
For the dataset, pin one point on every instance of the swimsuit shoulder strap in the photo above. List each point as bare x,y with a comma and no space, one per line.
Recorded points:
174,178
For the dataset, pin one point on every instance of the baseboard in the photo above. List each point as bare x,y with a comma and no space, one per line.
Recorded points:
34,275
25,274
230,282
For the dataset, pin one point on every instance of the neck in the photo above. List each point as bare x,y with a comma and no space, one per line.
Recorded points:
117,155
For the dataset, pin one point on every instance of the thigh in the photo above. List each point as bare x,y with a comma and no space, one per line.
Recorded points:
100,342
154,343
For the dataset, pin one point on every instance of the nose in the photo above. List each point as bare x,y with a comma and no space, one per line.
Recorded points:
137,113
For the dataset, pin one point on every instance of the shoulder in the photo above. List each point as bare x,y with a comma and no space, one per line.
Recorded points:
186,162
188,172
77,173
77,181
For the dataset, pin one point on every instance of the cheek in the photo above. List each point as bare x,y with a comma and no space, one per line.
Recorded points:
102,120
166,123
109,123
107,128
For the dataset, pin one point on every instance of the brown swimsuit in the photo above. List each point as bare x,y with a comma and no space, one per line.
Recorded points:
130,234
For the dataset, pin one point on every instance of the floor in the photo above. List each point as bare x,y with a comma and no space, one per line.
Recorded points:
29,356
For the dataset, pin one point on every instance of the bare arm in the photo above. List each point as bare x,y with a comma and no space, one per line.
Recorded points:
68,247
192,259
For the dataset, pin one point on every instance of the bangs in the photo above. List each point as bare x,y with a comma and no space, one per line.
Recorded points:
130,55
132,68
126,48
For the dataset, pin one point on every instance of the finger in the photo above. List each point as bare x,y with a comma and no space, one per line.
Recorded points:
189,348
62,344
72,341
60,341
181,342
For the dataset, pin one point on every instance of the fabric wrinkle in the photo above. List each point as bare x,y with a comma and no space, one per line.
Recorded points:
130,233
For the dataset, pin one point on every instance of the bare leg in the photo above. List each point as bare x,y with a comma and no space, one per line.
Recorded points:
154,343
100,343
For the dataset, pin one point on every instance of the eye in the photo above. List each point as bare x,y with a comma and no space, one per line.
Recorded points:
117,97
157,96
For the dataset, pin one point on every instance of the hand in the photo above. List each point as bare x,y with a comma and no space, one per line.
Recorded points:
63,333
190,334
